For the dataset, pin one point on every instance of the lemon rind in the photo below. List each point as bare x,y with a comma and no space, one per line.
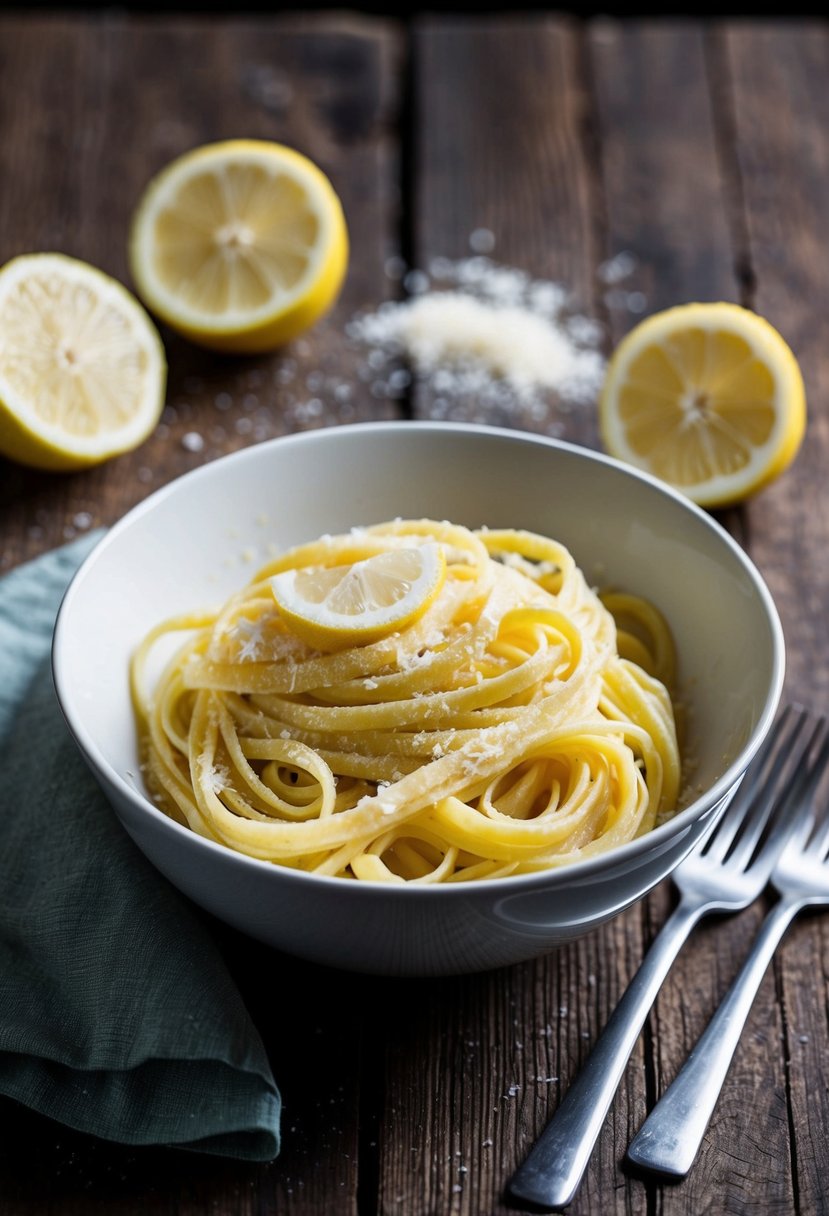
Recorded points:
377,624
256,329
24,436
769,459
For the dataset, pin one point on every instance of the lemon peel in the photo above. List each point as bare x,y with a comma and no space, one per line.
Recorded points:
239,245
82,367
708,397
331,607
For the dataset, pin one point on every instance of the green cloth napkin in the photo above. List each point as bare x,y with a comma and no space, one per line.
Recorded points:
117,1014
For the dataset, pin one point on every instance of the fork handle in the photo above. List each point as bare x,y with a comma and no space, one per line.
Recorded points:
552,1172
669,1139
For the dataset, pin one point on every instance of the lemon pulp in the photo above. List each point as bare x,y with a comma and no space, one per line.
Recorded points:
709,398
335,606
239,245
82,368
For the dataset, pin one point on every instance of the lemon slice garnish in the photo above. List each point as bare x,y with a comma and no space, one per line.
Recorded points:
82,368
332,607
707,397
239,245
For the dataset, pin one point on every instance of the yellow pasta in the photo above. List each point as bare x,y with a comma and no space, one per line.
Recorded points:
509,729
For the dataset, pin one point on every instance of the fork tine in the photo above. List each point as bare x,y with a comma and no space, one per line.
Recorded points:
818,821
795,820
763,840
747,809
753,778
670,1137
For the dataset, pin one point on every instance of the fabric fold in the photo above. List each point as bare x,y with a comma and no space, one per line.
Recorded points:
118,1016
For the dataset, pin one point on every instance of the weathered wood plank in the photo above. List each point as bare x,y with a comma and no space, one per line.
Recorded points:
89,110
499,126
781,115
783,161
440,1087
476,1066
664,204
671,202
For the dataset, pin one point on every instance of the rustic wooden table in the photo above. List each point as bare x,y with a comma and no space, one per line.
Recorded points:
703,151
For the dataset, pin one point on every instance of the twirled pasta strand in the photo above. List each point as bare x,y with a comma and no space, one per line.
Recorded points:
511,728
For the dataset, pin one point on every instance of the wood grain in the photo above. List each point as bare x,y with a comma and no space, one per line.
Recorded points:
501,120
90,110
702,152
498,113
782,123
672,201
663,191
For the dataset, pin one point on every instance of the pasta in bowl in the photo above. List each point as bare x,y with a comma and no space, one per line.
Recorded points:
506,729
537,526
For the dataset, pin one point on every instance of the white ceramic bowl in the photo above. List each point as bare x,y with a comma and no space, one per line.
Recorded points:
193,543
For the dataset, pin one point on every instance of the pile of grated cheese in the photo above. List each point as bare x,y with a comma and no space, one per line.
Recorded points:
486,336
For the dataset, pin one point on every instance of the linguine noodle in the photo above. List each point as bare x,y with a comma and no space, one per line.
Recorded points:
513,727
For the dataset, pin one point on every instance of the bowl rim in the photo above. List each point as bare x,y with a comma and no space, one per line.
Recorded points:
510,884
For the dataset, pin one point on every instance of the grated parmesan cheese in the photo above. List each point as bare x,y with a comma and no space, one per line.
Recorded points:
489,334
214,776
553,364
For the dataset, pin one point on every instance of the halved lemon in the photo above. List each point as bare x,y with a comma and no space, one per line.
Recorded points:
707,397
332,607
240,245
82,368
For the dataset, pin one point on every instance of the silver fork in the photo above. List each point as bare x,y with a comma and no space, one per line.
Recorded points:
724,873
669,1139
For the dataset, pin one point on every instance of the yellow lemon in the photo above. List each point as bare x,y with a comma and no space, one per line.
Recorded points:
82,368
240,245
332,607
707,397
